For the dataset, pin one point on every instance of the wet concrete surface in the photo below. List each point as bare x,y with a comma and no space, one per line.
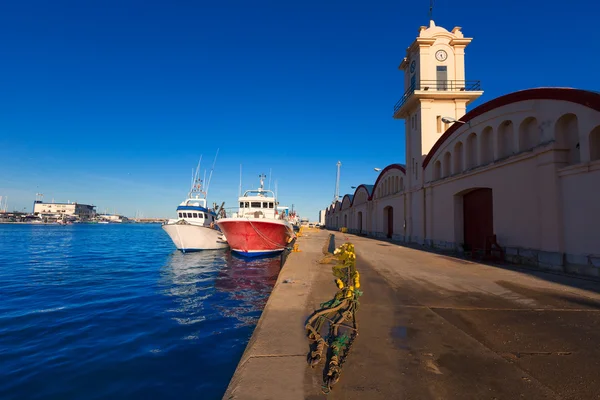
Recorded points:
435,327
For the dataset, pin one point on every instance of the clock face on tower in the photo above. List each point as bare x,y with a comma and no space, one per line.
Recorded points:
441,55
413,65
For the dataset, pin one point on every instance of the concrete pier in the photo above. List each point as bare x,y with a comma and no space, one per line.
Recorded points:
431,327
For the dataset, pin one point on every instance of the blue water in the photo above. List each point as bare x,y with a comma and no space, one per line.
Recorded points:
115,312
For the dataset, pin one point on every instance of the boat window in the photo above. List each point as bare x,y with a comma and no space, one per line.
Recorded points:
205,215
189,215
247,204
256,204
265,205
270,205
241,204
196,215
180,216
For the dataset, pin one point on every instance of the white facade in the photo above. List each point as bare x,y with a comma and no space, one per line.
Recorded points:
83,211
322,217
524,167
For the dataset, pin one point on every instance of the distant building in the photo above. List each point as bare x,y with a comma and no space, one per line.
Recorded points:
112,218
322,214
82,211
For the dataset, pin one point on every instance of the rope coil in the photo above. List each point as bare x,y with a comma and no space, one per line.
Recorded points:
340,314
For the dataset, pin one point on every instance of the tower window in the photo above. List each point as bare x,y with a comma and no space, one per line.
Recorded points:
442,77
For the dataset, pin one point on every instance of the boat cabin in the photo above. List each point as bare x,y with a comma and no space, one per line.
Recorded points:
195,211
258,204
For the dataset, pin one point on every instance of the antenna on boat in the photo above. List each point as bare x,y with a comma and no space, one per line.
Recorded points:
195,176
192,183
211,172
270,174
240,191
262,182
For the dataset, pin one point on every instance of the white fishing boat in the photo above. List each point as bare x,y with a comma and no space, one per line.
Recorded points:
195,227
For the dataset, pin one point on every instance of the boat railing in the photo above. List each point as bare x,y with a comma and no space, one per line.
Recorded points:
259,192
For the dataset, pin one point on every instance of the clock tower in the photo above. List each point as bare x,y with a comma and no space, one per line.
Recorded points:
434,87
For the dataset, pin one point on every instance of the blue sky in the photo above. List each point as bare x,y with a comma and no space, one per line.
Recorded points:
112,102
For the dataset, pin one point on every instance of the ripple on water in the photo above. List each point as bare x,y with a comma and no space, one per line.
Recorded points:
111,311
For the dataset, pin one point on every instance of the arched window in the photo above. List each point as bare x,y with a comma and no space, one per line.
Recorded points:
595,144
446,171
529,134
566,133
505,139
437,170
471,153
458,158
486,148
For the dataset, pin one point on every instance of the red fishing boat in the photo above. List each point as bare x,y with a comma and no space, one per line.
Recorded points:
257,229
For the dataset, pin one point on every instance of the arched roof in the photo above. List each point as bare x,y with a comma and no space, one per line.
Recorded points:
401,167
350,198
367,188
583,97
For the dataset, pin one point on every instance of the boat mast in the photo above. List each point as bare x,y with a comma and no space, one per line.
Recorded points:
210,175
240,191
195,178
262,182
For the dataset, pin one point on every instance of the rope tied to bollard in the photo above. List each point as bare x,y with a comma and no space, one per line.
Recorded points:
339,313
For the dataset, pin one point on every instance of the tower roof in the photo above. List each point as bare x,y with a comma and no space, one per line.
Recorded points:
433,30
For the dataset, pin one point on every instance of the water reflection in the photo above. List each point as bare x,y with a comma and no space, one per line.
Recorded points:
249,283
216,284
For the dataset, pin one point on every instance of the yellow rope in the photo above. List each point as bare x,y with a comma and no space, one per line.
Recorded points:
341,308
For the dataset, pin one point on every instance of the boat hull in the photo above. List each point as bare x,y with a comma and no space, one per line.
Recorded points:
187,237
256,237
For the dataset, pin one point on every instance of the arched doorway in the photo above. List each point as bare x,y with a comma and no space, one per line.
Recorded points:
359,221
478,217
388,221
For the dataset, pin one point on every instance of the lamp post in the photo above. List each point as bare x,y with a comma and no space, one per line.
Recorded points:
450,120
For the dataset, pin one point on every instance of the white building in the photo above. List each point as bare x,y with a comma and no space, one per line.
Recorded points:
322,214
521,172
81,211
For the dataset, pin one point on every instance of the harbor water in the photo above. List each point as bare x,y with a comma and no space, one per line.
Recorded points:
115,312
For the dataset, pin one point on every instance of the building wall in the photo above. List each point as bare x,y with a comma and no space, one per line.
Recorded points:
581,217
71,209
541,159
54,208
322,217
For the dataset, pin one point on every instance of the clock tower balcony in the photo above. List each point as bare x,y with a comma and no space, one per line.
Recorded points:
436,89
